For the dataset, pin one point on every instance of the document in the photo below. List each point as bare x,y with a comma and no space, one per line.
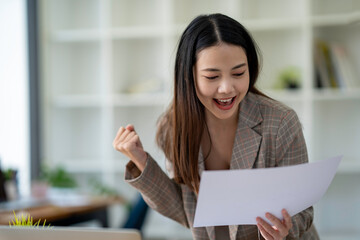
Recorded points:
237,197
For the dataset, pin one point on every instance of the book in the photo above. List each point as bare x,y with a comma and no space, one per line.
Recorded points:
333,67
343,66
320,67
325,50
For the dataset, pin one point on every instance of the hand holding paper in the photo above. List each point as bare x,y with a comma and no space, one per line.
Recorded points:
237,197
276,229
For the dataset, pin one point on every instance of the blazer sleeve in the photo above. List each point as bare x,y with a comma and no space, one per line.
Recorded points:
291,150
159,191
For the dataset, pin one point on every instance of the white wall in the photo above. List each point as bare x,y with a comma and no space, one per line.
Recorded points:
14,113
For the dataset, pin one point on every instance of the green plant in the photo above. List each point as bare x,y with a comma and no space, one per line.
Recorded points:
102,189
289,78
10,174
58,177
25,221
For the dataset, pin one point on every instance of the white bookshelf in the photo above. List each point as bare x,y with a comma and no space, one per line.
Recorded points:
107,63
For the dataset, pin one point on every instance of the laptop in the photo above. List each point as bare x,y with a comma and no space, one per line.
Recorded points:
68,233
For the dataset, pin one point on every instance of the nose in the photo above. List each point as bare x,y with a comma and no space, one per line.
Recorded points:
226,86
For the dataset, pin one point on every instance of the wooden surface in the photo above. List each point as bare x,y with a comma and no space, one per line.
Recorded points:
53,213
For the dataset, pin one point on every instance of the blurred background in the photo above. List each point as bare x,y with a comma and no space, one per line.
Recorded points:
73,71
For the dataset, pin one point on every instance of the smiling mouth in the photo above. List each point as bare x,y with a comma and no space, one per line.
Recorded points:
224,101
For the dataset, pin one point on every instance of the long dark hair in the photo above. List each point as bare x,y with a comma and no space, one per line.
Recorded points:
181,127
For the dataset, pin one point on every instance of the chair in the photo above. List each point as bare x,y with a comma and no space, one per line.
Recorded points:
137,214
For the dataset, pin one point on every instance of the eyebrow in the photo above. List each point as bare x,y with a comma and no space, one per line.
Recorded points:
217,70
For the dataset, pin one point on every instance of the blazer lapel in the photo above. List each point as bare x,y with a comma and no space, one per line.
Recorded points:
211,232
246,147
233,231
247,140
201,163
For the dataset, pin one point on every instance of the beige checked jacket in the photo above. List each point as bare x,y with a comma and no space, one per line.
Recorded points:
269,134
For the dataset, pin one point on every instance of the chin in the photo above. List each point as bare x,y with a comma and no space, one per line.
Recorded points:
225,116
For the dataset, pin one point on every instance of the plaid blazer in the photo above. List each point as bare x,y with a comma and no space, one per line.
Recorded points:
269,134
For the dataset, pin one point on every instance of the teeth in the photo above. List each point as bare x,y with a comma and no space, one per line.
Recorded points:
225,101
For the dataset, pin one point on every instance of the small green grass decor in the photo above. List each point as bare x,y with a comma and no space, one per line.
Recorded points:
26,221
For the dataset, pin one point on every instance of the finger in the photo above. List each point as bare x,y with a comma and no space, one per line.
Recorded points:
118,134
129,137
287,219
123,136
264,233
268,228
277,223
130,127
127,145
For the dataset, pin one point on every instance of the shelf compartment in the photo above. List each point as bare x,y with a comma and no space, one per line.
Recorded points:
329,7
91,35
73,14
271,24
74,68
138,32
74,134
78,101
336,94
260,9
336,19
136,12
186,10
118,100
140,100
296,96
280,50
79,35
335,131
138,66
346,37
264,24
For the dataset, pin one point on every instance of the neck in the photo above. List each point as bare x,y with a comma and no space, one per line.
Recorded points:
221,124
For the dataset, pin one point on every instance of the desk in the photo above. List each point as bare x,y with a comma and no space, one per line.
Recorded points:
61,215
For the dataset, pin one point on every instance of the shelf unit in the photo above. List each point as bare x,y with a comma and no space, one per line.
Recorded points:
107,63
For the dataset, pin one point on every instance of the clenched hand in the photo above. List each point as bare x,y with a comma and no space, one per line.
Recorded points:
128,143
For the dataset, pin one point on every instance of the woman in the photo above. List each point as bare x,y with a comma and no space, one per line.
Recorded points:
217,120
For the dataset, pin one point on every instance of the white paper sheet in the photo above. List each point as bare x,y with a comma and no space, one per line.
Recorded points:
237,197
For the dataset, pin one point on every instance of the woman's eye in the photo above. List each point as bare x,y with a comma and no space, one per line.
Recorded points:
238,74
211,77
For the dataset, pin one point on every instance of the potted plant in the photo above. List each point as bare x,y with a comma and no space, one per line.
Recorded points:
25,221
289,78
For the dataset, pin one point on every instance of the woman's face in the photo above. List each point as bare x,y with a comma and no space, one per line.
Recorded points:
222,79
